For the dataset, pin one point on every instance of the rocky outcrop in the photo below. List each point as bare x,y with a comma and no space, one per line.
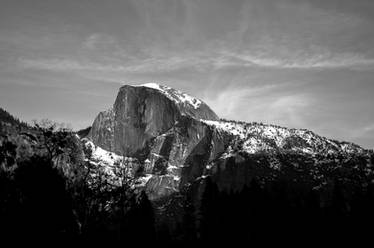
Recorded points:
185,149
140,114
102,130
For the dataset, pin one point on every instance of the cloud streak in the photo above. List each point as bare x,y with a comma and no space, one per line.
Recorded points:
272,103
325,60
144,66
98,40
363,131
201,62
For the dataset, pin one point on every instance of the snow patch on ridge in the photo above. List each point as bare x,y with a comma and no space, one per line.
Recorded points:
174,95
229,127
99,154
113,166
257,137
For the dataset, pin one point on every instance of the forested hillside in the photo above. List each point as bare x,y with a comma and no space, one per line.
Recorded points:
45,192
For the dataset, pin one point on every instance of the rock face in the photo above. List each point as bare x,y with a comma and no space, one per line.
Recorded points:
178,139
102,131
141,113
160,127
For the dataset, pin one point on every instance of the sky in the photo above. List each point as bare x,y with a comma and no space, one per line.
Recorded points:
295,63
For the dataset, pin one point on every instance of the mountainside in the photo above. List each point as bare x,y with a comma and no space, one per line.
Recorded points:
210,181
9,123
256,137
174,139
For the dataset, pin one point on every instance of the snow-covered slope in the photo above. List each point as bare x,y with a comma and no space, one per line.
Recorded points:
103,156
112,167
258,137
175,95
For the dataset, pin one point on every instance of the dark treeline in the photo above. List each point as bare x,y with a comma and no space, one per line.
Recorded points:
283,214
289,208
9,122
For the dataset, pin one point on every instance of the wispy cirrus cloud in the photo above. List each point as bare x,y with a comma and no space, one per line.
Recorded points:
201,61
273,103
326,60
98,40
143,66
103,52
363,131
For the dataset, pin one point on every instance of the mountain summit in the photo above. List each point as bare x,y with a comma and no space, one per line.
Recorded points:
174,139
141,113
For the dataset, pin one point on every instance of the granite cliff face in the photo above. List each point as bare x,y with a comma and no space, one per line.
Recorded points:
102,130
161,128
174,139
141,113
144,113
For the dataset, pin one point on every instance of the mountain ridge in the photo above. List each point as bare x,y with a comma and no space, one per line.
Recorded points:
175,146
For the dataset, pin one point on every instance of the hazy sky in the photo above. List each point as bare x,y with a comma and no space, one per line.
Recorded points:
296,63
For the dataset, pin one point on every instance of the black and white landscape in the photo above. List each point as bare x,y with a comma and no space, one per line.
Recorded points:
187,123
